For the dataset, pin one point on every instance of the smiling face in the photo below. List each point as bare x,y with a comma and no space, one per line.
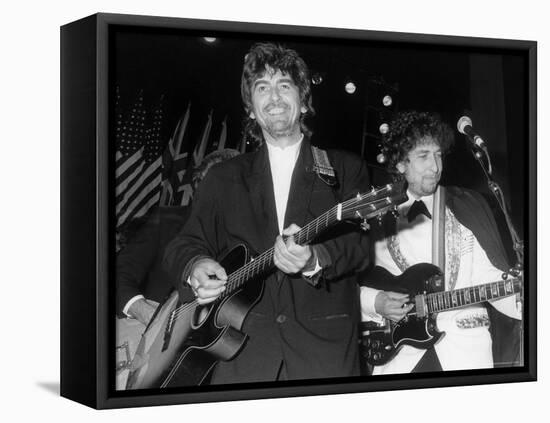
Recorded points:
276,106
422,168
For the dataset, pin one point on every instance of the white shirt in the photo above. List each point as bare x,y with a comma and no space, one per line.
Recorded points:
282,162
460,348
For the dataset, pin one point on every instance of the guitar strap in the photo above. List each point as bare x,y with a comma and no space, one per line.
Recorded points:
438,229
322,166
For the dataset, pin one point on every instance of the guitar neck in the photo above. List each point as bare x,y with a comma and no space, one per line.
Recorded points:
263,263
448,300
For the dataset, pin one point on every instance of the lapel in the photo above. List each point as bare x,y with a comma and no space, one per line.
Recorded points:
260,186
301,187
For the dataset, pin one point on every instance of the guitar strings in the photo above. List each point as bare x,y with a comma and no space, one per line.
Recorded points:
238,277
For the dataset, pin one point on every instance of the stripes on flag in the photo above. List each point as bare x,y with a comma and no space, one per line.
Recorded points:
138,171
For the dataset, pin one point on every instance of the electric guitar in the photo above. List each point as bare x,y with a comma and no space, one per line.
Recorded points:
425,285
184,341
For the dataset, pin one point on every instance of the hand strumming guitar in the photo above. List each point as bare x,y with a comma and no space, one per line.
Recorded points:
392,305
207,280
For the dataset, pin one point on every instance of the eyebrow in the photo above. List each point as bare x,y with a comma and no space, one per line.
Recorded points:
263,80
426,150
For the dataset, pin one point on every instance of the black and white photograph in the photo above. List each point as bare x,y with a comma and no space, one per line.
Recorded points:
332,208
261,212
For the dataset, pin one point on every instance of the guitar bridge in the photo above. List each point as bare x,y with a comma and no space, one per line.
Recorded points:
168,331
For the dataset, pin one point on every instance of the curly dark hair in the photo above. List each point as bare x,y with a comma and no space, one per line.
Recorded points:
410,128
269,57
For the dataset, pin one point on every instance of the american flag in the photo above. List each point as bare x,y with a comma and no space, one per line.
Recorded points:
138,161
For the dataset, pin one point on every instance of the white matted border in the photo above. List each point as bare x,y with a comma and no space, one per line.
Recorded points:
30,178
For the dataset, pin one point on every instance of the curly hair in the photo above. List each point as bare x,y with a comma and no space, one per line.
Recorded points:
268,57
411,128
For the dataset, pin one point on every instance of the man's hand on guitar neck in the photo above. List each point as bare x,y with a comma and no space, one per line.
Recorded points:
207,280
392,305
288,256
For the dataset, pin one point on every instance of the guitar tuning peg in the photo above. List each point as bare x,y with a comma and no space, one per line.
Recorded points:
514,272
365,225
519,266
504,276
372,189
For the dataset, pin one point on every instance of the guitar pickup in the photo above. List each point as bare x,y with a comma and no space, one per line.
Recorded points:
421,306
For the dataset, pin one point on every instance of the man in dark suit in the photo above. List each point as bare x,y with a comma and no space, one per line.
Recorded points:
304,324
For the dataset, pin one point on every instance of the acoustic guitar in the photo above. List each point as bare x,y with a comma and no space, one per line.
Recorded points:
184,341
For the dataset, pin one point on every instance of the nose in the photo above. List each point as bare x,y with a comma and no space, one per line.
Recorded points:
275,93
435,164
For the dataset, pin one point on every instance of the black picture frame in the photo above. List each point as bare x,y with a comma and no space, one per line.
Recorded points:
86,203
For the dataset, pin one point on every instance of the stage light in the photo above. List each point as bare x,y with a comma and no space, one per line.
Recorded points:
384,128
381,158
350,87
387,101
210,39
316,79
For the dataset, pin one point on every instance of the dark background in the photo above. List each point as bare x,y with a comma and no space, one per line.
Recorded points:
487,84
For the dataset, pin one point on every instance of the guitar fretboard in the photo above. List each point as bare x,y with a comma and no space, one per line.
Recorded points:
448,300
264,262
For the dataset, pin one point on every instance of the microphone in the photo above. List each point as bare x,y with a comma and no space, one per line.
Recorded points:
464,126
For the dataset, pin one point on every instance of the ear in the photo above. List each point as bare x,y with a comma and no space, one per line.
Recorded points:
303,109
400,167
252,116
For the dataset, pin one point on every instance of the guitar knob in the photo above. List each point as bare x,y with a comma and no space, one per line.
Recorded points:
388,347
375,344
376,356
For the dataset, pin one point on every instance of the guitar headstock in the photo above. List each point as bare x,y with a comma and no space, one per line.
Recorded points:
375,202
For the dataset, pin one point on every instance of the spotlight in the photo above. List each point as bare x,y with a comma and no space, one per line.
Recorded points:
210,39
381,158
384,128
316,79
387,101
350,87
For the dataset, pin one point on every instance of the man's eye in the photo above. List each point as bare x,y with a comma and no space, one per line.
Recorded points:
261,88
285,86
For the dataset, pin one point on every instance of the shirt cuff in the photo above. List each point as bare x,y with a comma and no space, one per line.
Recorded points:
129,304
310,273
368,312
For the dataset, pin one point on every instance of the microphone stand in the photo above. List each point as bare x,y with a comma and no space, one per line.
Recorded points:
517,243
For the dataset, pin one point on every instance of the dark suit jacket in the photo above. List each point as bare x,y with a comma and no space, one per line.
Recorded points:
139,264
471,209
311,329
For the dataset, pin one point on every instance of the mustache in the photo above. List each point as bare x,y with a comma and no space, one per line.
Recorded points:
279,104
